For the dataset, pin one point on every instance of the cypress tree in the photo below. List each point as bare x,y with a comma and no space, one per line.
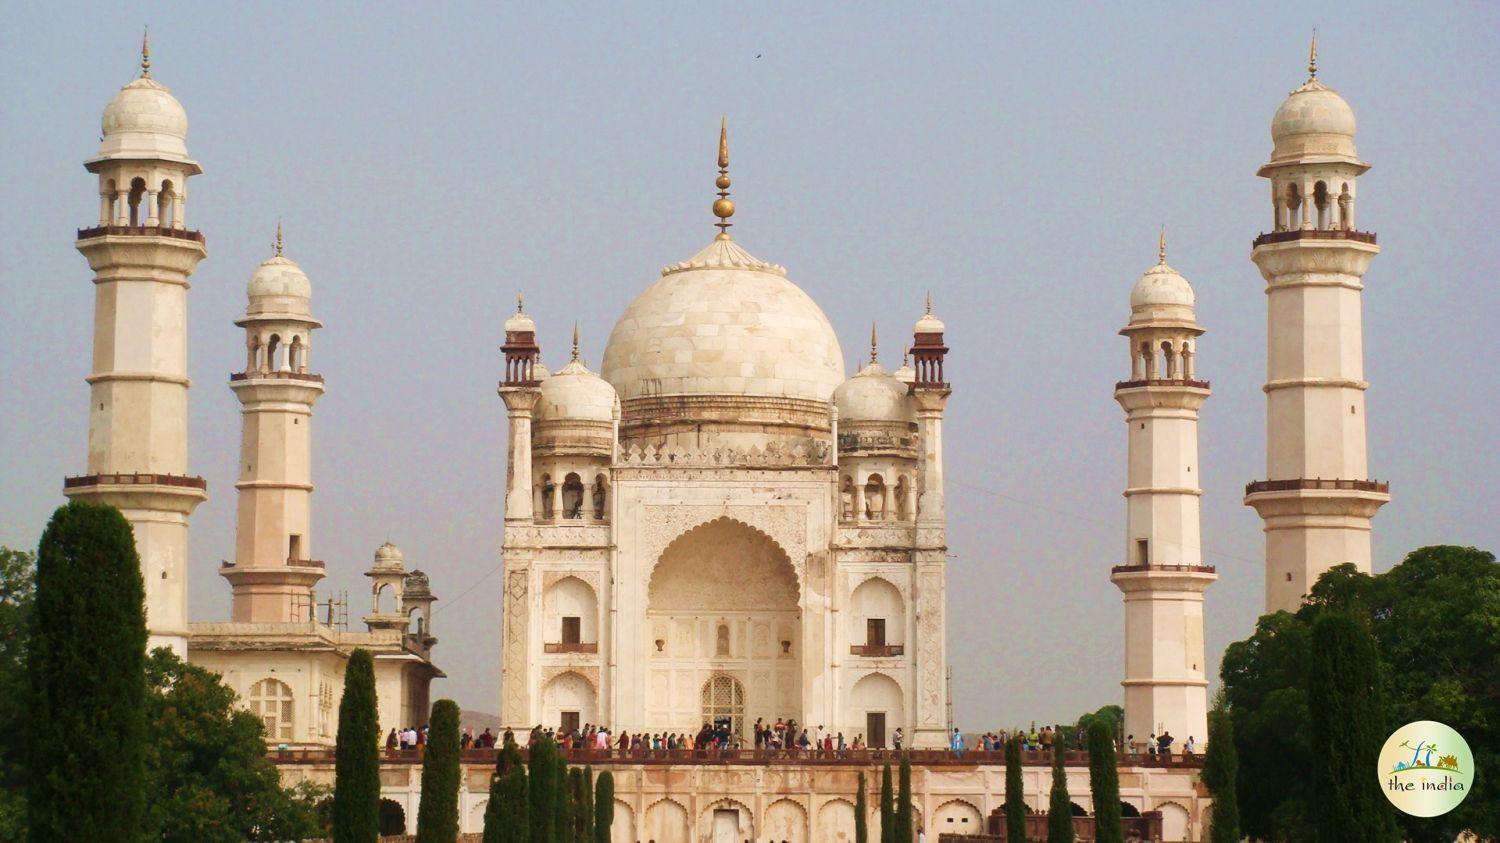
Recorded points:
1219,769
86,672
575,802
356,782
585,806
437,815
1015,796
562,804
887,807
1346,712
1104,782
542,759
904,819
1060,804
604,806
507,817
861,809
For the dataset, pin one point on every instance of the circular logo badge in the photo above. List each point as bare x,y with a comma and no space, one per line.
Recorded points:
1426,768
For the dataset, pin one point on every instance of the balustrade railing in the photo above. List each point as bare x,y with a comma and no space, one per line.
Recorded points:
134,479
269,375
1161,382
1190,569
1315,234
139,231
570,648
876,650
1317,483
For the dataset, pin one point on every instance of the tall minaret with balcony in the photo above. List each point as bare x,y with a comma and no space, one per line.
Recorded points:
1317,500
930,555
520,389
141,253
273,572
1163,579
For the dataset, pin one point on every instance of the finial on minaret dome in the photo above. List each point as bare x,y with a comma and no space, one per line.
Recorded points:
1161,247
874,345
1312,57
520,302
278,237
145,52
723,206
575,339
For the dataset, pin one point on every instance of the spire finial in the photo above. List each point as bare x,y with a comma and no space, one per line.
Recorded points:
723,207
145,52
520,302
278,237
1312,57
1161,247
874,345
575,340
929,302
905,355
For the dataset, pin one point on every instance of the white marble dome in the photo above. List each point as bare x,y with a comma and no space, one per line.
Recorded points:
575,394
873,395
929,324
388,556
519,321
724,323
1161,293
1313,120
278,286
144,120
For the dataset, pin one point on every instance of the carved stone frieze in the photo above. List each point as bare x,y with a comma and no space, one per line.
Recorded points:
558,535
815,452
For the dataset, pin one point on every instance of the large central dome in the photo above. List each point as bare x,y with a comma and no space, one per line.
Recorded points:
724,323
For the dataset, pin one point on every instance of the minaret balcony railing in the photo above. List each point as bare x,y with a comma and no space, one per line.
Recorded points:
1161,382
1317,483
590,648
1170,569
139,231
877,650
279,375
305,563
134,479
1315,234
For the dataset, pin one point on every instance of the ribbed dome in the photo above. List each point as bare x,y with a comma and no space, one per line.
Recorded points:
144,120
724,323
388,556
576,394
519,321
279,287
1161,293
873,395
1313,121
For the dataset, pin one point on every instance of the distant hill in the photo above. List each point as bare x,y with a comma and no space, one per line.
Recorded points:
478,721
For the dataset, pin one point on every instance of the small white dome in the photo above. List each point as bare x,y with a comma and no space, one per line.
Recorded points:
575,394
519,321
724,322
1161,293
1313,121
388,556
929,324
144,120
279,276
540,372
905,373
873,395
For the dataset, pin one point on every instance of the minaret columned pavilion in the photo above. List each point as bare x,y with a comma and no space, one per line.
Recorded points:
142,253
1317,500
273,572
1163,578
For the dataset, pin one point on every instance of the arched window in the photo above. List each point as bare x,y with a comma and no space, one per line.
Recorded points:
273,348
137,191
271,701
1169,359
385,600
1321,202
721,646
1293,205
572,497
723,701
875,498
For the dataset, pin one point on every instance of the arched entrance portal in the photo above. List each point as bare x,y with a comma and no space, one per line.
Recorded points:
723,629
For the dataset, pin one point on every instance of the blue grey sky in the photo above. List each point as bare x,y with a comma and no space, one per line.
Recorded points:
1016,159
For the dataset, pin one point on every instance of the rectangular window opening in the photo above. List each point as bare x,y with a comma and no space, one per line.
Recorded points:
875,632
1142,552
572,630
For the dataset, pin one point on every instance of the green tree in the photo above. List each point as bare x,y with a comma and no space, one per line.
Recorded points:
1015,797
861,812
887,806
356,788
575,804
86,723
437,814
1112,714
1219,768
604,806
17,593
1441,600
904,817
585,806
507,817
1104,784
542,761
1348,722
562,804
1059,803
208,779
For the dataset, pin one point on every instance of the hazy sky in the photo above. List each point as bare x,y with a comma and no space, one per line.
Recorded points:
1016,159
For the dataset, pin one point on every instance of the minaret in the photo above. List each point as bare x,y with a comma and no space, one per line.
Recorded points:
930,556
142,253
273,572
519,390
1317,500
1163,578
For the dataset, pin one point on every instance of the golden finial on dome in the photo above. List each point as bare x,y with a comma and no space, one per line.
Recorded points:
278,237
1161,247
874,345
575,340
145,52
723,207
1312,57
520,302
929,302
